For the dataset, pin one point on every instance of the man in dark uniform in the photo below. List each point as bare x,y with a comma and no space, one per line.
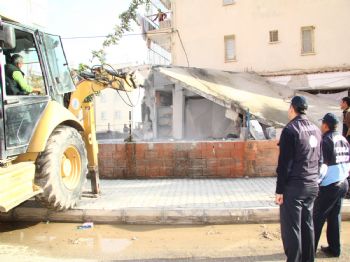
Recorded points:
333,185
297,182
345,106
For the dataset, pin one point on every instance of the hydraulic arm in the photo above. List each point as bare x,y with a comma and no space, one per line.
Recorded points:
92,83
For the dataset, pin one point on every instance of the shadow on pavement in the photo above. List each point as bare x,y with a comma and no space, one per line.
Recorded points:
12,226
272,257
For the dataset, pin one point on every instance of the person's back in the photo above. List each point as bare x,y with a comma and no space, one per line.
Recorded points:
297,181
305,166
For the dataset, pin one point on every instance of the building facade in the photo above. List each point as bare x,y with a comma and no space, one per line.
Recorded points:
30,12
302,44
113,110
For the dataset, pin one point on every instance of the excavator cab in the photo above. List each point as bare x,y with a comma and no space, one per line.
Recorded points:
27,119
45,67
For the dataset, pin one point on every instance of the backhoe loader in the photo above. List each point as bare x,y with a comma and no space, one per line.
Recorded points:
48,140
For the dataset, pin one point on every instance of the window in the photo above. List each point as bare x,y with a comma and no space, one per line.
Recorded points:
117,115
228,2
307,40
25,47
103,115
63,82
274,36
230,48
103,98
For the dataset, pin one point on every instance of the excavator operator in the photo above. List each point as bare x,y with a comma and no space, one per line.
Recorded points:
15,82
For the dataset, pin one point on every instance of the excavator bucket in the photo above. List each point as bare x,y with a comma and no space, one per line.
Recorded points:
17,185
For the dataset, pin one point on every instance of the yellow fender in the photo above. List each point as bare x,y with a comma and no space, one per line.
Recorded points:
55,114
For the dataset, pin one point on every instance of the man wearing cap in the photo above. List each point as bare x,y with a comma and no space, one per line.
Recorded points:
297,182
333,185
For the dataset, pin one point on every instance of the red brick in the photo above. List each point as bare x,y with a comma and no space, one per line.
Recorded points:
168,163
151,155
119,147
226,162
223,171
181,154
108,171
140,151
208,150
120,164
166,172
195,150
119,172
221,153
180,171
210,159
197,163
140,172
154,163
212,163
152,172
195,172
119,155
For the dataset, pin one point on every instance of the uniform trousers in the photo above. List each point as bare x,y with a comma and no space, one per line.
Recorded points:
327,208
297,229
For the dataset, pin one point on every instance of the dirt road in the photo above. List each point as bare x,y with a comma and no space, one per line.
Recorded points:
64,242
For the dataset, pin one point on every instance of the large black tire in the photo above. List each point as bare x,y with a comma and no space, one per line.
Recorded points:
62,191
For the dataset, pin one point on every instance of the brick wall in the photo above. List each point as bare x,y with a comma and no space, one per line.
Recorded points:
188,159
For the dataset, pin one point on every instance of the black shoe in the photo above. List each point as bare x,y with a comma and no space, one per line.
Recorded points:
329,252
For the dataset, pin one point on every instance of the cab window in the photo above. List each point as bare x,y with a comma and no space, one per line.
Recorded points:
30,69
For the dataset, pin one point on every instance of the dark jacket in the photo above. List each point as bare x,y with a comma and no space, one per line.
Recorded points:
335,149
12,87
346,122
336,154
300,155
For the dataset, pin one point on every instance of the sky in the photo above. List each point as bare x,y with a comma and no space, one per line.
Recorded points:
69,18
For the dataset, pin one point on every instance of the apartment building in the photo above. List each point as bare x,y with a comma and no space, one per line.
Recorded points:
302,44
113,110
30,12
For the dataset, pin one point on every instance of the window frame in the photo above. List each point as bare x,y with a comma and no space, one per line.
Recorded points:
103,116
40,61
228,4
228,37
312,29
118,115
271,32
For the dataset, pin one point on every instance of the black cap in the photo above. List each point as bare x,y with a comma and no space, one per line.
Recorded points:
299,103
330,119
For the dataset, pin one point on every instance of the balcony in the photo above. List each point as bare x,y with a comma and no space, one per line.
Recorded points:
157,32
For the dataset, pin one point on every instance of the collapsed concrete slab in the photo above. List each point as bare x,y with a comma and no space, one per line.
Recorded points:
183,103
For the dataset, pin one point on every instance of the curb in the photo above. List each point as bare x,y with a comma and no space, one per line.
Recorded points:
151,216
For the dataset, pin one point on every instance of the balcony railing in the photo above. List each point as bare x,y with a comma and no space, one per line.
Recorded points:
149,25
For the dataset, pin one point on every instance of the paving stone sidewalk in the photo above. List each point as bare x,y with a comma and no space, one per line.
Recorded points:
184,193
170,201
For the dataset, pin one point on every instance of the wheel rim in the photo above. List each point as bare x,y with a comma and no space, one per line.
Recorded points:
71,167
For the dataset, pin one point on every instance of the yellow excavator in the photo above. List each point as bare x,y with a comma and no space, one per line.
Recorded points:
48,140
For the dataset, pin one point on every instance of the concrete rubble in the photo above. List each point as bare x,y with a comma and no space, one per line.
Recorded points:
195,103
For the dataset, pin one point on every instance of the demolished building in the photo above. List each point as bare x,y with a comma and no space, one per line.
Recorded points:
184,103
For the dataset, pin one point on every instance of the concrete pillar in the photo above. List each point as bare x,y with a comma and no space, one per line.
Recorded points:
178,112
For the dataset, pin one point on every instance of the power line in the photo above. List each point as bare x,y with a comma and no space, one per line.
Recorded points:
104,36
183,48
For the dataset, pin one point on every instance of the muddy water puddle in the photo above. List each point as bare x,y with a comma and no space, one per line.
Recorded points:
64,242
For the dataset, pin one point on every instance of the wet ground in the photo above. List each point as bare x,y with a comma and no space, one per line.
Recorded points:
64,242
